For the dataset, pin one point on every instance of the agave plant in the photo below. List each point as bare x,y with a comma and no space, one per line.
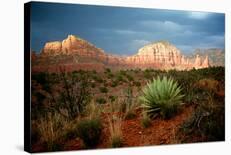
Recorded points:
161,97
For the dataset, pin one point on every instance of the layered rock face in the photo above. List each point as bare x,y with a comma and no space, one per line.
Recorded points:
160,53
71,45
206,64
74,51
74,46
164,55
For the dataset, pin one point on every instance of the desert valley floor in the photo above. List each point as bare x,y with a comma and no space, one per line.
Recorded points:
90,109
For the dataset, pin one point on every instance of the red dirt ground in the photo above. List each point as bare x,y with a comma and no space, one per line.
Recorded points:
160,132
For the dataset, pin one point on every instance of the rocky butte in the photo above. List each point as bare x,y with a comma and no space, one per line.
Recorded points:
75,53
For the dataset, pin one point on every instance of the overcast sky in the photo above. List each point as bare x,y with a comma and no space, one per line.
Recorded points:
122,30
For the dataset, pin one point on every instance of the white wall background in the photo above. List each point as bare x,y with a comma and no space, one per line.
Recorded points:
11,76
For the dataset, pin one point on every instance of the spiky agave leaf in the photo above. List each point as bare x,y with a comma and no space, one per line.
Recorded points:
161,96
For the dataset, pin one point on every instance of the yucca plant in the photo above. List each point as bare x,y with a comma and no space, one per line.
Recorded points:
161,97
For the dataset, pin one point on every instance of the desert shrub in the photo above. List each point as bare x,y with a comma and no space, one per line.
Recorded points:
208,84
114,83
145,121
198,89
137,70
186,79
217,73
37,104
74,96
35,134
89,130
40,77
172,73
110,75
120,78
101,100
161,97
94,71
70,131
108,70
129,115
207,120
93,111
103,89
190,97
137,83
74,73
92,85
129,105
122,72
45,80
112,98
97,78
115,107
147,74
129,77
115,123
50,129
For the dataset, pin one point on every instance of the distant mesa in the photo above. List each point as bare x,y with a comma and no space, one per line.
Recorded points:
76,53
70,45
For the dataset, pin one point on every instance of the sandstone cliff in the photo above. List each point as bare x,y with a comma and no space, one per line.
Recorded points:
160,53
71,45
74,51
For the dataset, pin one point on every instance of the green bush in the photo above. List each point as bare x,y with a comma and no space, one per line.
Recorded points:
101,100
208,120
112,98
129,77
90,131
137,83
92,85
120,78
114,83
161,97
110,75
74,96
103,89
97,78
107,70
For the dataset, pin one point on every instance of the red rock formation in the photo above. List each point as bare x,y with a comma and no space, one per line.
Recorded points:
76,51
157,54
71,45
205,63
197,63
52,48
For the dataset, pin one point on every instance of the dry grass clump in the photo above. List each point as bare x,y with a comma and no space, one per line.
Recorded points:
115,125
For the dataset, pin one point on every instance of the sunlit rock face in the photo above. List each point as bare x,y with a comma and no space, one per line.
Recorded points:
160,53
74,51
72,45
52,48
199,63
205,63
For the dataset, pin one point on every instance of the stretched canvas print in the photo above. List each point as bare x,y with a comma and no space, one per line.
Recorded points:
106,77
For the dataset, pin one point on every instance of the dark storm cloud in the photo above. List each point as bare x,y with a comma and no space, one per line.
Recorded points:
122,30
